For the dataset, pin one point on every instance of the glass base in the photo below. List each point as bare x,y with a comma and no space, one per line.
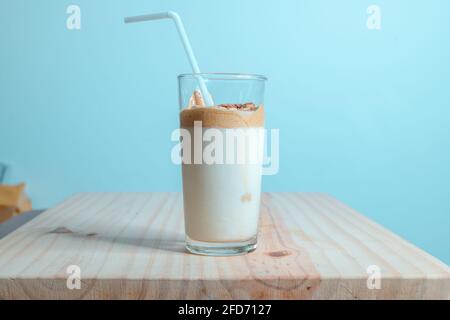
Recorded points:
221,249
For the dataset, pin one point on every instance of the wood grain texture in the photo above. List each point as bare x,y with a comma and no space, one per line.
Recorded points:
131,246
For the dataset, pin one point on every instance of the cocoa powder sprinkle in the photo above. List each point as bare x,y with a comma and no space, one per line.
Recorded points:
248,106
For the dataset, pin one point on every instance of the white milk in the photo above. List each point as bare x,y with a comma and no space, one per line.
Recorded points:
222,201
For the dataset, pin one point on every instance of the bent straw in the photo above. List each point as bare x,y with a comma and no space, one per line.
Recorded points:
186,44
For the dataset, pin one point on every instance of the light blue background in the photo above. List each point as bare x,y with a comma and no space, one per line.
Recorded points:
364,115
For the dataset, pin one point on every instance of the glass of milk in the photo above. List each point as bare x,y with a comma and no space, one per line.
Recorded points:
222,151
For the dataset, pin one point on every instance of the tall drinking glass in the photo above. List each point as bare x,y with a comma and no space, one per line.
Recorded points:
222,151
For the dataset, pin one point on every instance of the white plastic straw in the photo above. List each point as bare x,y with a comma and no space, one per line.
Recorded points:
186,44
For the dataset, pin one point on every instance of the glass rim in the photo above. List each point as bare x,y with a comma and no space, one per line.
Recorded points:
224,76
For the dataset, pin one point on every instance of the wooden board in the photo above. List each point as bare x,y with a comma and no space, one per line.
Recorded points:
130,246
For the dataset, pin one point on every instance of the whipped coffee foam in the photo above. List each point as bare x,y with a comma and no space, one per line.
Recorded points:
223,116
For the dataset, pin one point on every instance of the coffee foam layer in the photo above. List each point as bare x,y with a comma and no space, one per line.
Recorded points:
218,117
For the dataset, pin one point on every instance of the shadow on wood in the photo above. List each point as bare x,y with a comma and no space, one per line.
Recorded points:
164,241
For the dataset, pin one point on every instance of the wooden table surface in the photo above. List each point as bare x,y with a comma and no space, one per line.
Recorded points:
130,245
